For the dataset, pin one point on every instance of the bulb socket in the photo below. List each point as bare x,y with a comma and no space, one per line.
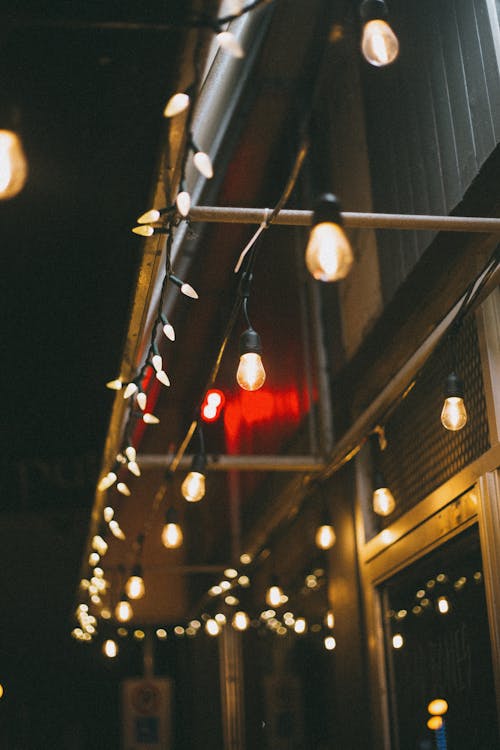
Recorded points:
137,571
373,10
454,386
327,209
378,481
171,515
198,463
250,342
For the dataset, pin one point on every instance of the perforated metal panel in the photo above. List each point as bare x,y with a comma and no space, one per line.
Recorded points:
421,455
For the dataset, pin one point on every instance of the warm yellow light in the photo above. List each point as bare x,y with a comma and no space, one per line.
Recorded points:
149,419
397,641
110,648
99,545
300,625
245,558
149,217
171,536
379,43
240,621
330,643
383,501
1,691
328,254
325,537
435,723
274,595
139,635
212,627
123,611
330,620
193,487
231,573
443,605
114,385
183,203
176,104
144,230
438,707
134,588
203,164
251,374
13,165
454,414
161,634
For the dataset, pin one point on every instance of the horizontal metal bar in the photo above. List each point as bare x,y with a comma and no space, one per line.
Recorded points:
289,217
237,463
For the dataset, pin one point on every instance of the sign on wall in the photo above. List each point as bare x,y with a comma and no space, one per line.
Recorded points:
147,714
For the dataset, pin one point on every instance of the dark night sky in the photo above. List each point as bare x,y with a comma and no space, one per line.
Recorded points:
90,103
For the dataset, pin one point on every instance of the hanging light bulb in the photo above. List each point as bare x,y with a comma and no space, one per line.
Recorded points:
250,374
300,625
142,400
328,254
108,513
107,481
110,648
114,385
325,536
212,627
149,217
134,588
13,165
330,643
438,707
130,389
186,289
274,594
383,499
116,530
183,203
193,486
99,545
123,610
168,328
454,413
379,44
149,418
203,164
176,104
171,535
123,489
240,621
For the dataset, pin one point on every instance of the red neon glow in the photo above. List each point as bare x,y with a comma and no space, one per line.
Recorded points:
212,405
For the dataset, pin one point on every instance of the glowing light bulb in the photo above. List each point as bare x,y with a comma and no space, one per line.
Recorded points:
107,481
162,376
329,255
228,42
149,217
397,641
188,290
114,385
379,43
438,707
169,331
142,400
274,595
300,626
123,489
130,390
183,203
150,418
193,486
171,535
176,104
99,545
108,513
131,452
212,627
203,164
383,499
134,588
330,620
443,605
454,413
240,621
116,530
123,610
134,469
110,648
435,723
144,230
325,537
330,643
13,165
250,374
157,362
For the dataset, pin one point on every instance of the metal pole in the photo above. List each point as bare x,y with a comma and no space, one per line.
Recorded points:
227,215
236,463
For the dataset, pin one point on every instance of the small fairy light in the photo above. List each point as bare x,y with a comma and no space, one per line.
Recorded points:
149,217
123,489
330,643
203,164
130,390
177,104
110,648
212,627
142,400
185,288
149,418
168,328
114,385
397,641
161,634
107,481
183,203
